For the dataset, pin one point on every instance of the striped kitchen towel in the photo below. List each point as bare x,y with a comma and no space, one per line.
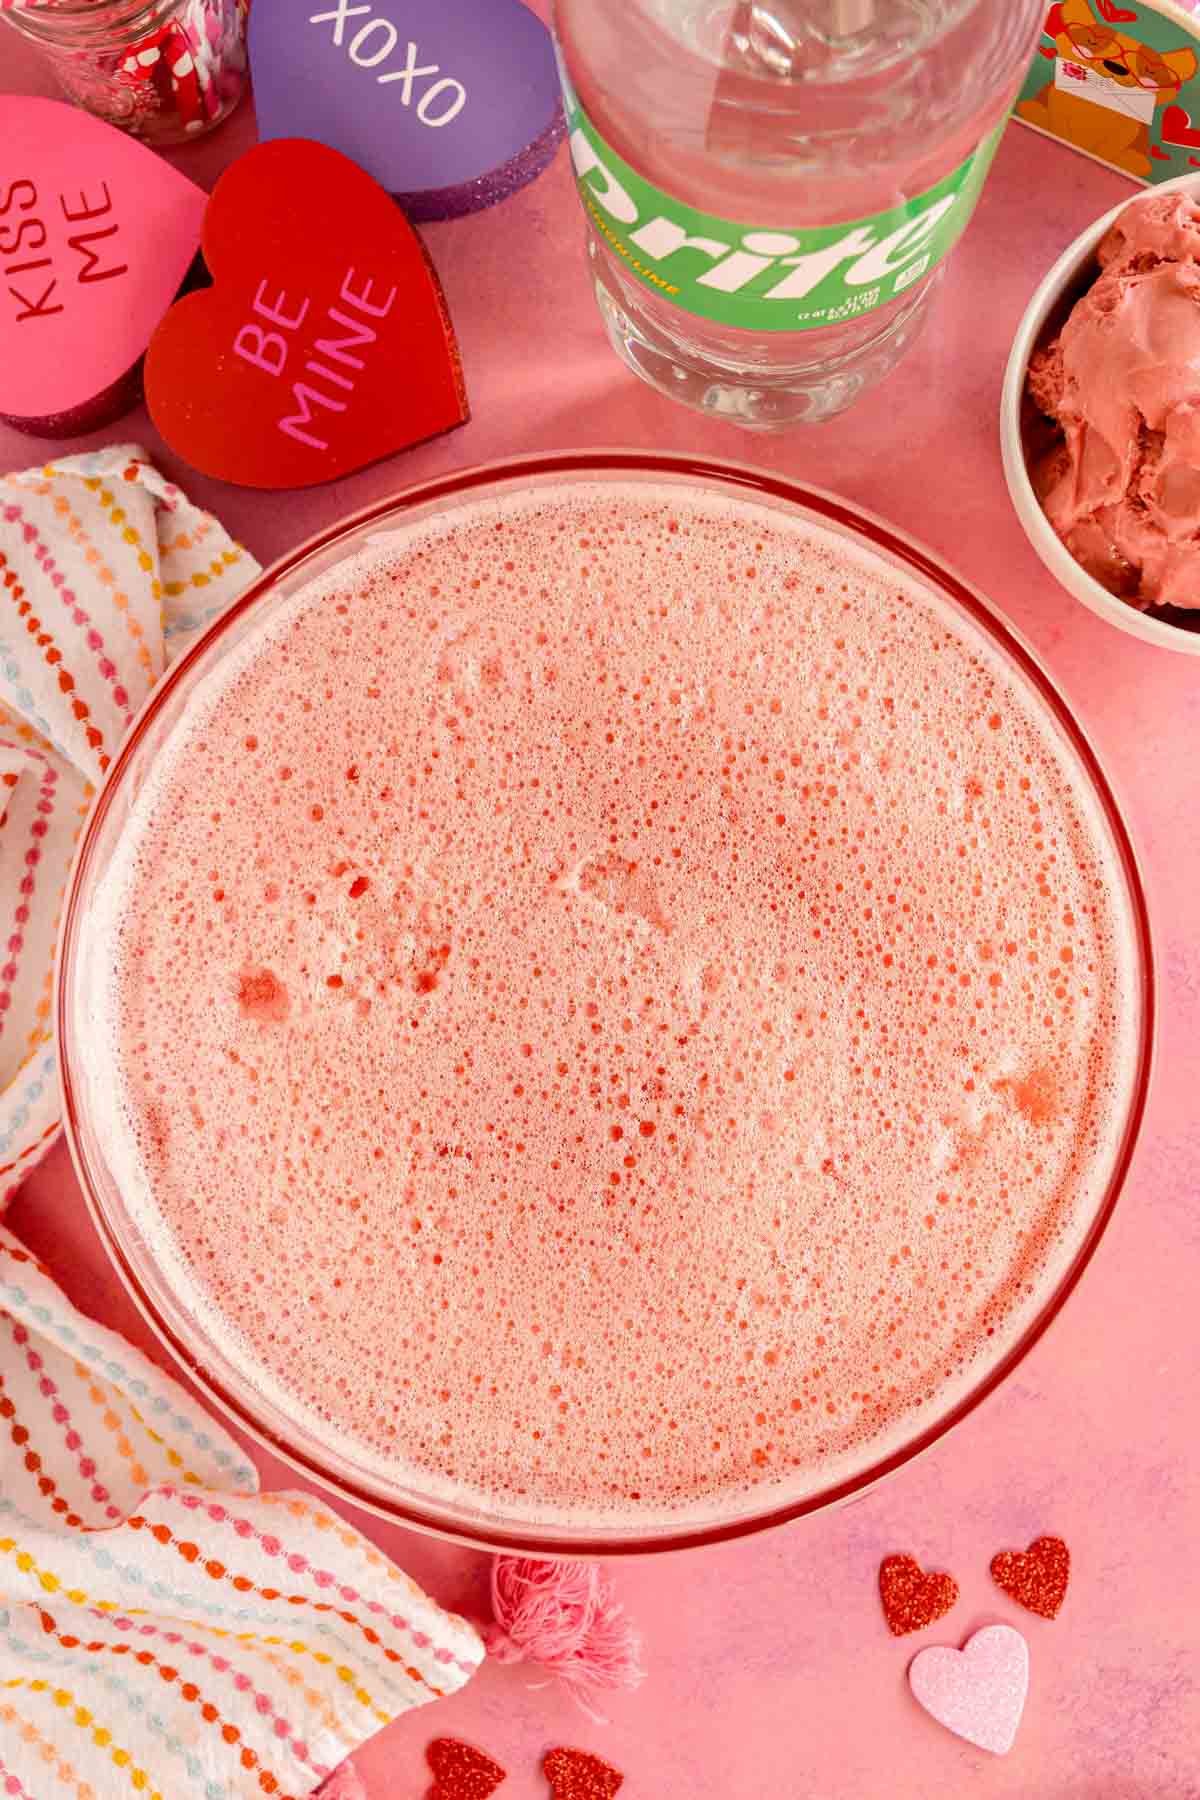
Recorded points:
107,573
167,1632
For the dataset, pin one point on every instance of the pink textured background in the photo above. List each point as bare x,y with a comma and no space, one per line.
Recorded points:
772,1675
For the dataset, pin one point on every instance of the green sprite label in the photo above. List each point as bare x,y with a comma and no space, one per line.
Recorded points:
767,277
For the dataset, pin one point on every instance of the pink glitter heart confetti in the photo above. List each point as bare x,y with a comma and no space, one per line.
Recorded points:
977,1692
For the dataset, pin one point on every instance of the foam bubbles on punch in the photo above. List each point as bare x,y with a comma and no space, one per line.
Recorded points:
621,1005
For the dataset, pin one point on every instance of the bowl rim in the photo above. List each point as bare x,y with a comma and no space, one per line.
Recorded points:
827,508
1038,529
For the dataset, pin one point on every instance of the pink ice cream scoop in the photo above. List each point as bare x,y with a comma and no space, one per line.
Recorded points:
1121,381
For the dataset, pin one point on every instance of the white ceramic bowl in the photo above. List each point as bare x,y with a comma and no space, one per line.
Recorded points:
1063,277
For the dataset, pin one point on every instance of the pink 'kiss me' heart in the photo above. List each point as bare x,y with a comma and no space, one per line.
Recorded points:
977,1692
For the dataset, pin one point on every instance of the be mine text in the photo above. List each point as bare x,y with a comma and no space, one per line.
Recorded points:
326,381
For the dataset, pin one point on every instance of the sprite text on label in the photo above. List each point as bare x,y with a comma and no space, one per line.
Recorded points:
767,278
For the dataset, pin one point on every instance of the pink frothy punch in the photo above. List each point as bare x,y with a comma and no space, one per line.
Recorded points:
450,104
96,235
495,964
977,1692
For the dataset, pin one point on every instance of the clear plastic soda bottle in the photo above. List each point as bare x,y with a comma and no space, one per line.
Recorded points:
771,186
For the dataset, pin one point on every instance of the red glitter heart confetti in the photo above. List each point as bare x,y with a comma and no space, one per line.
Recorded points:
911,1598
462,1773
574,1775
1035,1578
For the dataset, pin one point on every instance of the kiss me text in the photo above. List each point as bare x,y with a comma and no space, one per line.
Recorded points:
28,252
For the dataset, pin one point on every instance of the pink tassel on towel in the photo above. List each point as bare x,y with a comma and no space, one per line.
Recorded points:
564,1618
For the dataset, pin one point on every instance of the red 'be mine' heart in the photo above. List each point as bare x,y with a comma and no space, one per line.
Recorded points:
324,344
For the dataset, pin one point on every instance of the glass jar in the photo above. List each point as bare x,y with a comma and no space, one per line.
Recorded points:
162,70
